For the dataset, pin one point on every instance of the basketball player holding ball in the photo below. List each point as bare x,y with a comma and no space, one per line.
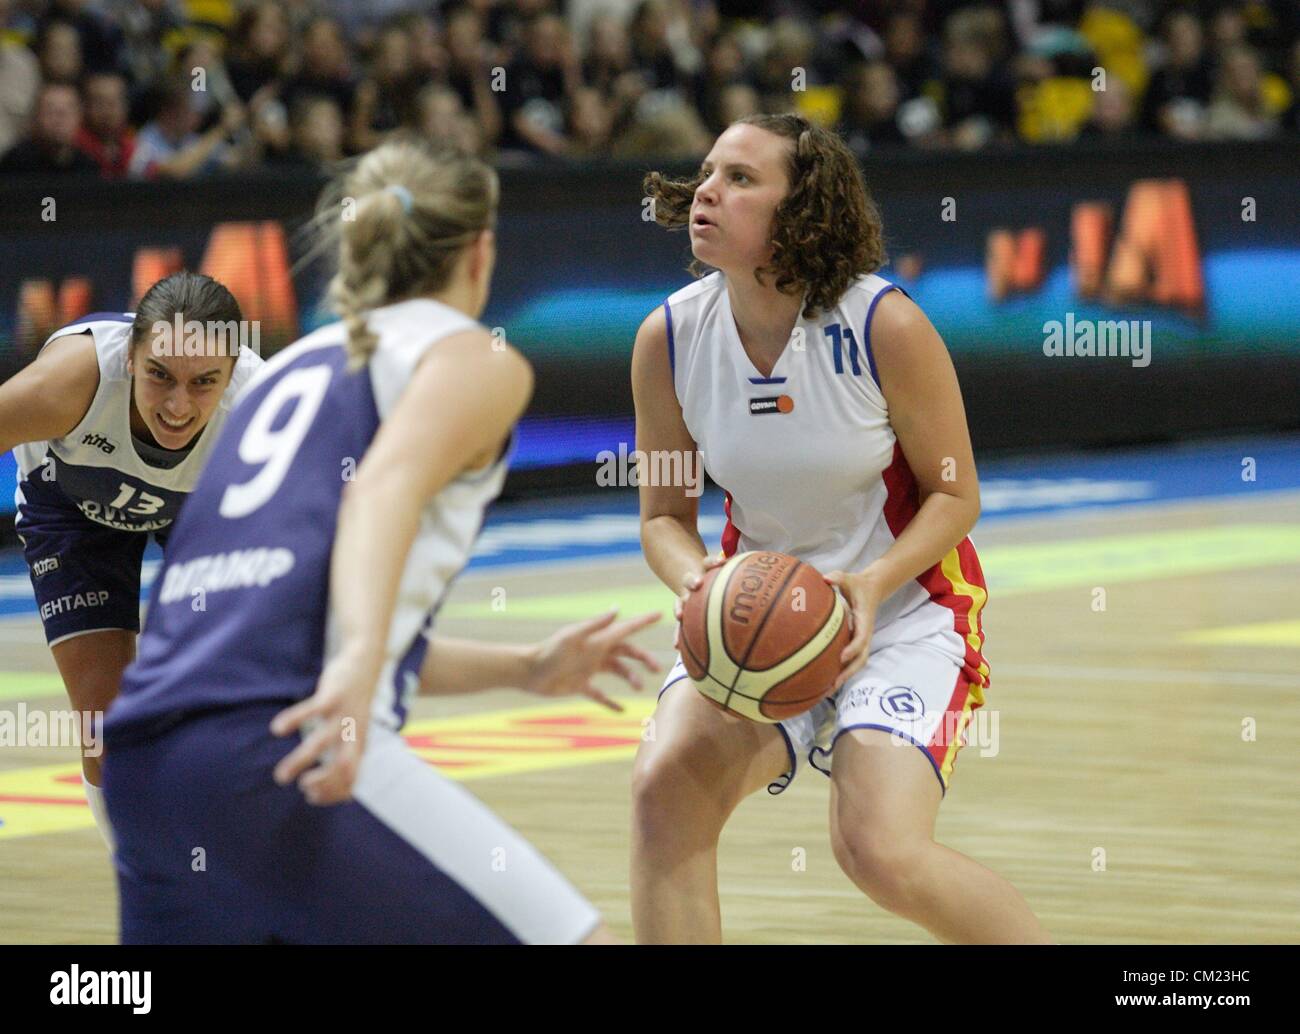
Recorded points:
825,403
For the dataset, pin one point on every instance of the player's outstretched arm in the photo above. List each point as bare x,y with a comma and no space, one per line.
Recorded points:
453,417
561,664
48,397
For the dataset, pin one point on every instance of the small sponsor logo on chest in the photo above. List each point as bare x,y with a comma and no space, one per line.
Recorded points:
99,442
771,404
50,563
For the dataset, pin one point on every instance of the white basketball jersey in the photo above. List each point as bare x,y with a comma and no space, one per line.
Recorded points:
450,521
808,459
97,465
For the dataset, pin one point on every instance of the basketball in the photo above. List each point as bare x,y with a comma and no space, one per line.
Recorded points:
762,636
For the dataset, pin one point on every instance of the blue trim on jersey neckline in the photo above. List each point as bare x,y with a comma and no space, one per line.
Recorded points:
767,380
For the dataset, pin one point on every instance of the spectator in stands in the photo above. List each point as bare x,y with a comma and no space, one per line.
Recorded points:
509,23
105,134
325,70
171,146
869,113
266,127
260,51
724,67
540,84
51,145
908,53
101,39
739,100
317,132
386,99
20,79
789,47
470,60
589,123
1114,113
652,54
58,49
1240,110
978,100
149,28
442,117
200,67
428,56
1227,30
1179,91
609,52
671,132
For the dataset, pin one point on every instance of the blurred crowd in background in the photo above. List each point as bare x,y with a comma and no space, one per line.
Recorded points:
173,89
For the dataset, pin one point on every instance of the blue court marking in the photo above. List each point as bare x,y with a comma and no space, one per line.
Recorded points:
605,522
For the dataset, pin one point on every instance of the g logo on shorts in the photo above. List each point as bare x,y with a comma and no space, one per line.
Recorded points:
902,703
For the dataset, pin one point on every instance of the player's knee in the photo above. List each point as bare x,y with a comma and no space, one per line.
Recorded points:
889,872
670,799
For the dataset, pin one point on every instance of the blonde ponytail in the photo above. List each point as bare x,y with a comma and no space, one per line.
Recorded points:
407,211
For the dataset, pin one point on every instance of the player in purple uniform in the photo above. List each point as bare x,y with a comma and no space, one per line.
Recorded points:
298,597
110,425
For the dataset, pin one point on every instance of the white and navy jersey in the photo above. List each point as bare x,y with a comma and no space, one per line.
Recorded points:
98,466
241,609
807,456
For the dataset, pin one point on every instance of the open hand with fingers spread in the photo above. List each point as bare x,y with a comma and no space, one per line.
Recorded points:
566,661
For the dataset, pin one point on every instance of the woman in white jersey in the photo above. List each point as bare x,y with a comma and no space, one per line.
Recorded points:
826,405
111,424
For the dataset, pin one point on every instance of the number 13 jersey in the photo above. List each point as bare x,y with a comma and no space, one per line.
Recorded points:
98,466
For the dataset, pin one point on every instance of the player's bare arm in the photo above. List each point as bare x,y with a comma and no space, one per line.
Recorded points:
48,397
461,403
929,419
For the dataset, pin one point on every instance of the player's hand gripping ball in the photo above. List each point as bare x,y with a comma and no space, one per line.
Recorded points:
762,636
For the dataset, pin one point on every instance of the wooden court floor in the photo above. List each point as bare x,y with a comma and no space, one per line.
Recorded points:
1141,786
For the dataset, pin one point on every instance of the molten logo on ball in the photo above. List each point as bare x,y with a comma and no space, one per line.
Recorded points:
749,649
749,597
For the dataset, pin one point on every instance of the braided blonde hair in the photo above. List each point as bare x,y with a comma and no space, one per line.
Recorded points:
407,208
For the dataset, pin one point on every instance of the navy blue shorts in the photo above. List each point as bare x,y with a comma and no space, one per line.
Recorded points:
210,850
86,575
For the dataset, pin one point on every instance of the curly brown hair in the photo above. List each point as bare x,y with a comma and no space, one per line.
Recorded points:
825,232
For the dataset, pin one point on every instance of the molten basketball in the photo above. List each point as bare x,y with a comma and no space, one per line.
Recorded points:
762,636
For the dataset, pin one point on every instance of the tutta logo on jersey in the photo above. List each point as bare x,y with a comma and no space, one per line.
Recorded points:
100,442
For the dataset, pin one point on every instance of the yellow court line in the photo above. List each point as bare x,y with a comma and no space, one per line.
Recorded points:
1260,633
